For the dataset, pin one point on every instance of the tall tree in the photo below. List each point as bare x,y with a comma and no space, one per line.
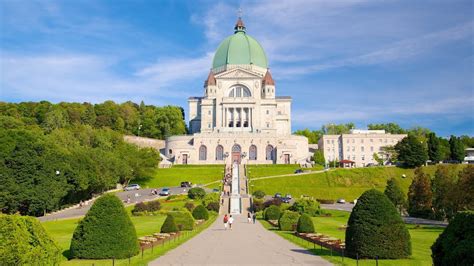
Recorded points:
392,128
465,187
411,152
444,149
420,195
434,151
318,157
444,186
456,148
336,129
395,194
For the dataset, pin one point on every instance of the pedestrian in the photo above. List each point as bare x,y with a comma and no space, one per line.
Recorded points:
226,220
231,221
254,217
249,217
222,201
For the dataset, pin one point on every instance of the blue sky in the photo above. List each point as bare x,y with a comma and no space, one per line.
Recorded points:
409,62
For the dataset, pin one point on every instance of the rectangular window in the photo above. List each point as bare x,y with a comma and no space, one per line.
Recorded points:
353,141
348,148
268,125
371,140
371,148
353,158
363,157
362,149
362,141
209,112
268,112
332,141
327,141
353,148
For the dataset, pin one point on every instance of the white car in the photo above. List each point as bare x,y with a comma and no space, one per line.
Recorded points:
341,201
132,187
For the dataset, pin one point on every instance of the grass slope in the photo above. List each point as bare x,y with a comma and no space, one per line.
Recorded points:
197,174
339,183
261,170
422,238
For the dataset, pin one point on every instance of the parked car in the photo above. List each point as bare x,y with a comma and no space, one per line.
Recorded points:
185,184
215,190
132,187
370,165
285,200
165,192
277,196
342,201
298,171
288,196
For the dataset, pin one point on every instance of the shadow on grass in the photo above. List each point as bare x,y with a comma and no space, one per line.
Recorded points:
67,254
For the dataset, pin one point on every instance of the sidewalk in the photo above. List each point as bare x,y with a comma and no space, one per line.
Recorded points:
245,244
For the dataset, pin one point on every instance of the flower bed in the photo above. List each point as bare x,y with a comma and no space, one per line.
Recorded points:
328,242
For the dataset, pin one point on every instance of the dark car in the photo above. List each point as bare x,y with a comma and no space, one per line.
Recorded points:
277,196
185,184
285,200
298,171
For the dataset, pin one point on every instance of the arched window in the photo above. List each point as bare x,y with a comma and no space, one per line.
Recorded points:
219,153
202,153
239,91
253,152
269,153
236,148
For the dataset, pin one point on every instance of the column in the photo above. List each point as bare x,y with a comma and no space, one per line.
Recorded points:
233,117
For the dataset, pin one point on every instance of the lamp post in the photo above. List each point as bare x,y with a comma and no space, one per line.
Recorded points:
139,127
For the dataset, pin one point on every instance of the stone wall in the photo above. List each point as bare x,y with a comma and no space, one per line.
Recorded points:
142,142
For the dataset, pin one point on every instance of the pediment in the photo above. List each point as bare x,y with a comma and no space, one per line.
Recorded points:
239,74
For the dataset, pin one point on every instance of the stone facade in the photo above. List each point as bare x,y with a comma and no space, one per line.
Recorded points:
239,118
359,146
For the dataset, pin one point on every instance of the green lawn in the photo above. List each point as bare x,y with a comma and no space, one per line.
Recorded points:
275,169
340,183
422,238
62,231
197,174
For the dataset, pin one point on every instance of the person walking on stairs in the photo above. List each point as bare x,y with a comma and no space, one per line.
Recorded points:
249,217
226,220
231,221
254,217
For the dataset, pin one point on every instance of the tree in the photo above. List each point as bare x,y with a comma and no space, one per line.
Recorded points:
420,195
333,129
456,148
391,128
318,157
105,232
411,152
444,186
200,213
169,225
378,159
434,151
467,141
465,187
375,229
196,193
444,149
272,213
313,136
305,205
395,194
288,221
389,154
23,241
455,246
305,224
258,194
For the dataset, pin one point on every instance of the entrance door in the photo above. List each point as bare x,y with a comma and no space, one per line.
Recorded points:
287,159
185,159
236,154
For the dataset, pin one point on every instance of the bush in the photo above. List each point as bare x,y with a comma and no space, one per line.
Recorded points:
288,221
272,213
189,206
213,206
171,197
211,197
326,201
308,206
305,224
455,246
196,193
153,206
272,202
139,207
259,194
257,205
183,220
200,213
375,228
169,225
105,232
23,241
144,207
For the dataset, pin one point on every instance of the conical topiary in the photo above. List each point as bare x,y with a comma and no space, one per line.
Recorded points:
200,213
305,224
105,232
169,225
375,228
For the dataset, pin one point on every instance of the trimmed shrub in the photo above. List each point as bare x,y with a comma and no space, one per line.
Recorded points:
23,241
375,228
196,193
308,206
171,197
139,207
275,202
105,232
169,225
211,197
189,206
183,220
288,221
154,206
305,224
272,213
455,246
257,205
144,207
259,194
213,206
200,213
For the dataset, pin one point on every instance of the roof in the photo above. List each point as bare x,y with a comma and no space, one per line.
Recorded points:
239,49
211,80
268,79
346,161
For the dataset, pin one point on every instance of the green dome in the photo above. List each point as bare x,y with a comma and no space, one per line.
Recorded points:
240,49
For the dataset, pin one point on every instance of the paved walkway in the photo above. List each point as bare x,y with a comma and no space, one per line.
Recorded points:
243,245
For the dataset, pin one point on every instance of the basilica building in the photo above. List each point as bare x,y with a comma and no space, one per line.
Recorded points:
240,118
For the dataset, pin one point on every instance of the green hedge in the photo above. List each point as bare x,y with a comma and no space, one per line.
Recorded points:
258,194
200,213
305,224
375,228
455,246
23,241
183,220
288,221
169,225
196,193
308,206
105,232
272,213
